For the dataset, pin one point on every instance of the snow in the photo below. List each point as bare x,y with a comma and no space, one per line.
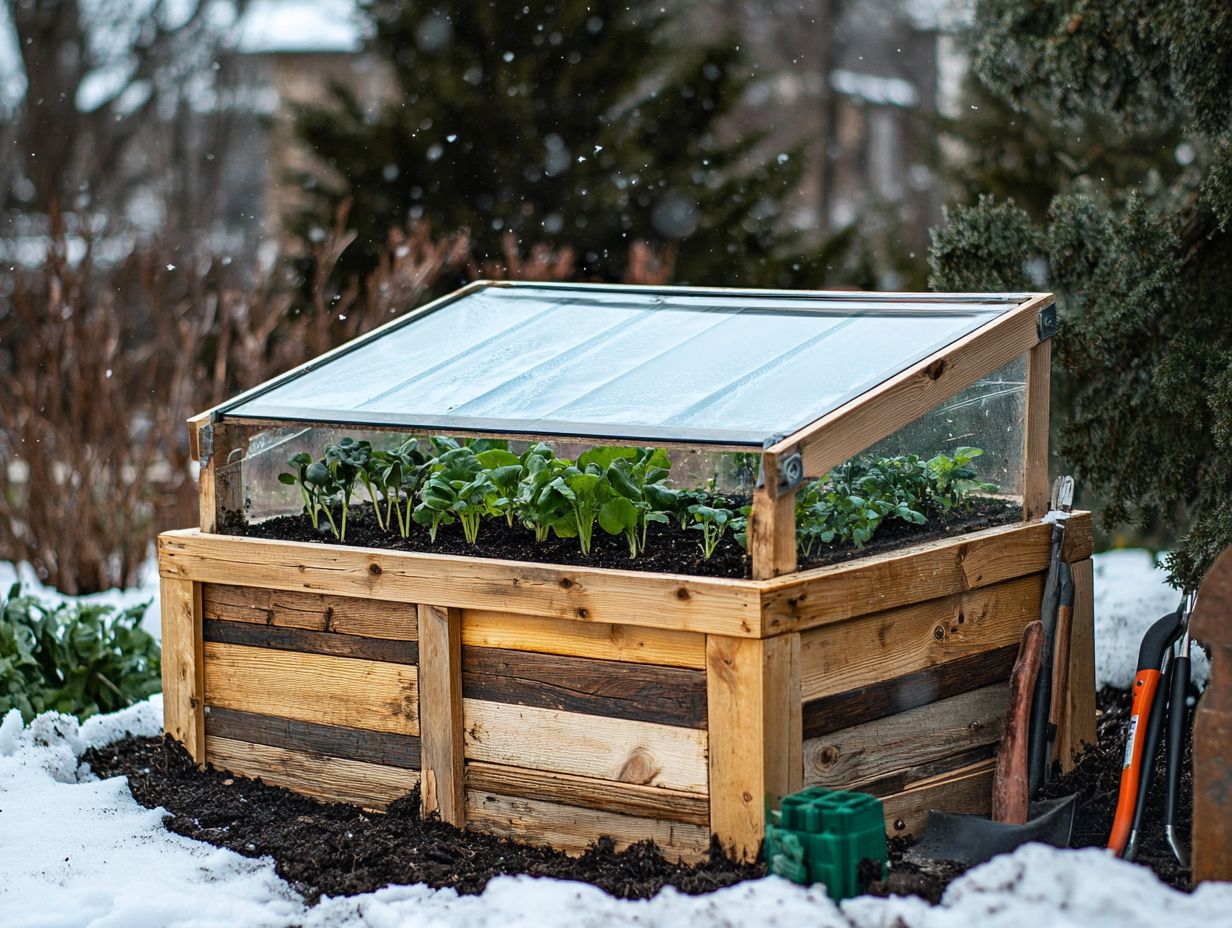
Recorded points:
91,856
270,26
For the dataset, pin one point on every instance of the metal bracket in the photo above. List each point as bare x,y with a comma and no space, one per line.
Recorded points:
791,473
1046,323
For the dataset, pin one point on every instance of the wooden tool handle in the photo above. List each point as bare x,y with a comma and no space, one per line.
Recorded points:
1060,668
1010,797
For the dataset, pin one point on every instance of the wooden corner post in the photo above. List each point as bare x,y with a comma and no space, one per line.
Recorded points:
772,524
1036,487
183,665
220,449
440,713
1212,737
756,734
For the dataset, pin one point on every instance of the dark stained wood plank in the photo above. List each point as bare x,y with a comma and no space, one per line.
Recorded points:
372,747
875,701
615,689
298,639
320,612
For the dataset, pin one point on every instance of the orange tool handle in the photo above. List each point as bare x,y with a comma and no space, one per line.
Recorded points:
1145,684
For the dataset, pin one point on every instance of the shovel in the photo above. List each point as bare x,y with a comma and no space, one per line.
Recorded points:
973,839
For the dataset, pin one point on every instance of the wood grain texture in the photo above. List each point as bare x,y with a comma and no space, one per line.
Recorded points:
372,747
1078,723
313,688
826,595
222,448
968,789
900,694
440,707
1010,790
617,689
668,805
1036,487
877,413
857,756
183,680
756,739
869,649
772,533
330,779
298,639
573,830
484,628
583,594
586,745
345,615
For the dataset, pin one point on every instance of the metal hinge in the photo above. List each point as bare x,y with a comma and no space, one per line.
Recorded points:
791,468
1047,324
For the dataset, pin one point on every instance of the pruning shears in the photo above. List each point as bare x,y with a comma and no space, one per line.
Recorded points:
1160,696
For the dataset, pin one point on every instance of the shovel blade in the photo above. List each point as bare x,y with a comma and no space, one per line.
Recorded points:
973,839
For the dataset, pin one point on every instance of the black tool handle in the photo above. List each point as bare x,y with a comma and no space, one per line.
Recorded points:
1178,722
1150,747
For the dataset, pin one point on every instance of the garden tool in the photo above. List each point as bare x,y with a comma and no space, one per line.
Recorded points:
1060,663
1148,713
1059,511
1178,724
973,839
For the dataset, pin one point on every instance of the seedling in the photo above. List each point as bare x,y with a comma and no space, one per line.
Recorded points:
347,461
712,521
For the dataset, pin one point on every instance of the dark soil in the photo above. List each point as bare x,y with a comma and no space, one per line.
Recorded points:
339,849
669,549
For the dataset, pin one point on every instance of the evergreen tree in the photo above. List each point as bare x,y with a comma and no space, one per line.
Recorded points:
583,122
1145,280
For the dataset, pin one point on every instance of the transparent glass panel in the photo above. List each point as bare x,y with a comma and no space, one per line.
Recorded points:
727,367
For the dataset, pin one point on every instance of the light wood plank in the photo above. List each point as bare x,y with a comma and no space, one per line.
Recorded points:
183,681
859,423
825,595
313,688
772,533
1078,724
756,739
864,650
586,745
585,594
330,779
968,789
601,641
669,805
440,708
1036,487
573,830
854,757
346,615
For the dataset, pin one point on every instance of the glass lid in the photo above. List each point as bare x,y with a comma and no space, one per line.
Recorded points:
628,363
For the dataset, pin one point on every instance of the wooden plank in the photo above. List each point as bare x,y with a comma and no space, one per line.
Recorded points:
772,533
586,594
311,611
1036,487
586,745
297,639
669,805
183,682
872,648
923,572
373,747
616,689
330,779
968,789
857,424
756,742
440,705
485,628
573,830
1078,723
954,726
313,687
879,699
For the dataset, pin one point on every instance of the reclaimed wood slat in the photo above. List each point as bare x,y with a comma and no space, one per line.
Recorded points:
909,691
347,615
864,753
330,779
772,533
183,682
869,649
586,745
573,830
440,707
485,628
1036,487
298,639
372,747
967,789
616,689
668,805
313,687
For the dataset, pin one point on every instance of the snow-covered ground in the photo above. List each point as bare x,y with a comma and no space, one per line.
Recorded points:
77,851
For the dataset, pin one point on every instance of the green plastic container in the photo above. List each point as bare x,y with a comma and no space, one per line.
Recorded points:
820,836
